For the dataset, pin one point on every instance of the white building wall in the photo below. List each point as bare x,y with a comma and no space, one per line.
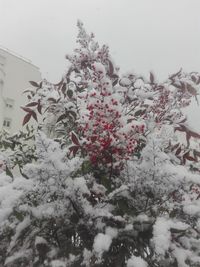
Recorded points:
1,104
15,74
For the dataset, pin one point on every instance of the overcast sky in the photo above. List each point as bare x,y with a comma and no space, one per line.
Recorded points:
143,35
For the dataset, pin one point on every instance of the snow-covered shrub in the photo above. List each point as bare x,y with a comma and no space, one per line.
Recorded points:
113,182
17,149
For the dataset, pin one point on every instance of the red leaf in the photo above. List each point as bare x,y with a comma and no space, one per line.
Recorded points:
188,136
93,138
174,147
34,84
74,149
26,91
39,107
33,114
58,84
191,89
63,89
41,83
188,157
178,151
175,74
27,109
184,120
152,78
26,118
115,82
32,104
111,68
195,135
179,85
189,133
30,111
193,78
182,128
75,139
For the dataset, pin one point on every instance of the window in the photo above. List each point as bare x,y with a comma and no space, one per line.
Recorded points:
7,123
9,103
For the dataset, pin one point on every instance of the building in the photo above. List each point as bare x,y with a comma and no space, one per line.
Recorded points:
15,74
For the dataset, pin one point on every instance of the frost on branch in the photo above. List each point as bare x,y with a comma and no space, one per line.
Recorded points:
113,176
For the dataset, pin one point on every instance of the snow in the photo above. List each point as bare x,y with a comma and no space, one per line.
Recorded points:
20,227
17,255
99,189
40,240
181,256
87,254
102,243
179,225
136,262
142,218
198,225
129,227
54,95
119,191
143,94
192,208
138,83
161,235
125,82
41,211
80,184
112,232
10,191
99,67
58,263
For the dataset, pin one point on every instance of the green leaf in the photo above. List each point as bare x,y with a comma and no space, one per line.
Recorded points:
69,93
8,172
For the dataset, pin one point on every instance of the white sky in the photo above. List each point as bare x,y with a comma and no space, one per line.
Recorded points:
143,35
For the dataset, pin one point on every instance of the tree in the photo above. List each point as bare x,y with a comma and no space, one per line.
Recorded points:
112,182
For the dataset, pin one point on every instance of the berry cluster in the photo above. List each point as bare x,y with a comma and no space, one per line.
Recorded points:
110,136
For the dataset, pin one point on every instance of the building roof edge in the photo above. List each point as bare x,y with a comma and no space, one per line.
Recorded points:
18,56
